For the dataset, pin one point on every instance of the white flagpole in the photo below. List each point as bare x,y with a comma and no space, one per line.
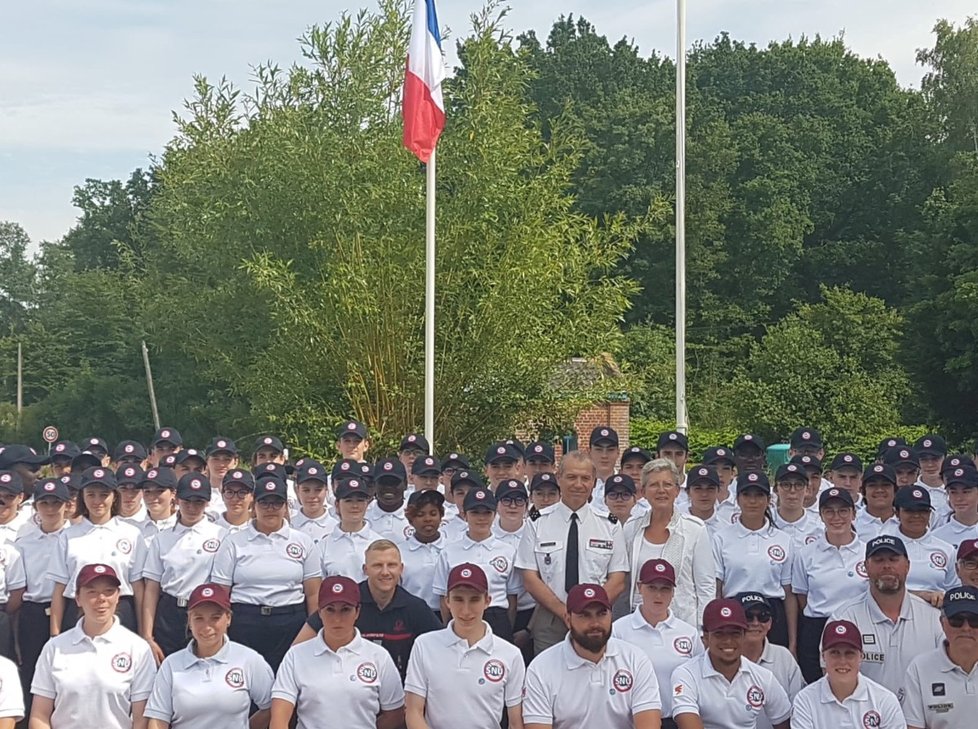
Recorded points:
429,298
682,416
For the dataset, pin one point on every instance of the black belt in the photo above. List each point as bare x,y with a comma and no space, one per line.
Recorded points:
247,608
180,602
45,606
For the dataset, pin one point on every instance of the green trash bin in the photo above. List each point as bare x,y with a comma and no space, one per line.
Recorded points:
777,455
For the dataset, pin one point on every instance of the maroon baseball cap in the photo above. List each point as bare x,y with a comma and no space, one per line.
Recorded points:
967,548
657,570
339,589
724,613
841,632
91,572
468,575
583,596
210,593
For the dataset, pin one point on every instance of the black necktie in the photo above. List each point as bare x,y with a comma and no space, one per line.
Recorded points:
571,574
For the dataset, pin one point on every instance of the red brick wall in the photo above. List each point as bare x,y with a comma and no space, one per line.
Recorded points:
614,414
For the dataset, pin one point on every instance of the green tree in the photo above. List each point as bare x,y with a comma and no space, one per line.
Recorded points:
951,84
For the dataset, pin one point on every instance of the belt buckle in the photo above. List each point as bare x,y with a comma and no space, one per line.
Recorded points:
266,610
182,602
47,611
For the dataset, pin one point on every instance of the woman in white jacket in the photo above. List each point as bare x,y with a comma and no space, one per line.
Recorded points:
680,539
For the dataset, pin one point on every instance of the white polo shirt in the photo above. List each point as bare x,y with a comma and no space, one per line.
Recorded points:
266,569
463,685
419,562
889,647
749,560
931,562
938,694
524,600
779,661
12,574
343,553
318,528
152,529
8,531
392,525
348,688
181,558
115,543
494,556
228,526
869,706
205,693
544,547
869,526
11,697
698,688
454,527
668,645
570,692
829,576
809,525
94,681
954,532
138,518
38,551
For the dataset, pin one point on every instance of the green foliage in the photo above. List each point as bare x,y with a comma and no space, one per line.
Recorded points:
645,432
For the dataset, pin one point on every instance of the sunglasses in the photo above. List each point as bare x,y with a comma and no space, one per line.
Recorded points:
762,616
958,621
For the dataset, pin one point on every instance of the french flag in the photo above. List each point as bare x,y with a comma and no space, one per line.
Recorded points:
423,106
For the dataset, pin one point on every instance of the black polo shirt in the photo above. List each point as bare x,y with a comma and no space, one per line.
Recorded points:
395,627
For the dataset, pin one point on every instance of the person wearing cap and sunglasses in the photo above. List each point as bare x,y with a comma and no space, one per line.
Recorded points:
101,538
654,628
213,681
273,572
177,561
895,625
591,679
845,697
966,564
97,673
940,686
338,678
721,689
489,674
931,560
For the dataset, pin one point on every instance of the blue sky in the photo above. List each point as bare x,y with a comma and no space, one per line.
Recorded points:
87,86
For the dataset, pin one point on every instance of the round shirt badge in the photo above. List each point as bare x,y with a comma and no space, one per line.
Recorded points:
294,550
776,553
337,588
121,662
589,592
622,681
683,646
861,569
210,546
725,612
408,531
235,678
755,697
494,670
938,559
500,564
367,672
872,720
124,546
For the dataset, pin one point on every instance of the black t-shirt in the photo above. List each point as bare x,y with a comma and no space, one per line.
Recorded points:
395,627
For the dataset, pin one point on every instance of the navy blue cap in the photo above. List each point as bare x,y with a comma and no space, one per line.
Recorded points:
129,476
879,472
479,499
51,488
672,438
94,444
789,470
351,487
809,463
748,440
960,600
239,477
956,461
17,453
846,460
221,444
270,470
619,482
930,445
269,441
509,488
85,460
518,445
887,543
636,453
835,493
414,442
390,469
753,479
182,456
271,486
467,477
753,600
965,476
167,434
160,478
539,450
913,498
129,449
888,443
703,474
502,451
425,466
173,459
901,456
603,434
541,480
718,454
98,476
805,438
352,427
350,468
456,461
72,481
194,486
426,496
310,470
64,449
11,483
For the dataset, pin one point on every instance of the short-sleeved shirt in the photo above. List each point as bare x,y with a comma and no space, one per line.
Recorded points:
392,525
181,558
753,560
524,600
869,526
419,562
569,692
38,551
829,576
348,688
543,547
938,694
871,706
151,529
11,696
954,532
318,528
931,562
12,574
494,556
779,661
115,543
344,553
698,688
668,644
463,685
266,569
809,525
94,681
205,693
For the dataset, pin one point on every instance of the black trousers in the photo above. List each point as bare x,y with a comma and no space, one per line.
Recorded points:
498,619
267,630
523,624
33,631
125,611
668,723
779,625
809,639
6,636
170,625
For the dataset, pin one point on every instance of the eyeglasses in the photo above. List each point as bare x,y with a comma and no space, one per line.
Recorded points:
843,511
235,494
958,621
270,503
969,564
759,617
792,486
619,496
517,501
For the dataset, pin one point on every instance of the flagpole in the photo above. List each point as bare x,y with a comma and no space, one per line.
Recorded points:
682,416
429,297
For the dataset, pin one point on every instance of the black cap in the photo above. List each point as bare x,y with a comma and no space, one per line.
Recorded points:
479,499
85,460
509,488
239,477
426,496
502,451
956,461
194,486
129,476
270,470
94,444
310,470
753,479
221,444
72,481
753,600
703,474
467,477
912,498
11,483
930,445
672,438
810,463
167,434
636,453
805,438
888,443
603,434
886,542
619,482
879,472
349,468
99,476
173,459
901,456
350,487
456,461
129,449
960,600
789,470
718,454
16,453
182,456
414,442
517,444
390,469
51,488
160,478
748,440
352,427
64,449
835,493
539,450
425,466
271,487
541,480
269,441
846,460
965,476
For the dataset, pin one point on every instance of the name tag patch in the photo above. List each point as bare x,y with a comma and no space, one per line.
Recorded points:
600,544
938,689
869,639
